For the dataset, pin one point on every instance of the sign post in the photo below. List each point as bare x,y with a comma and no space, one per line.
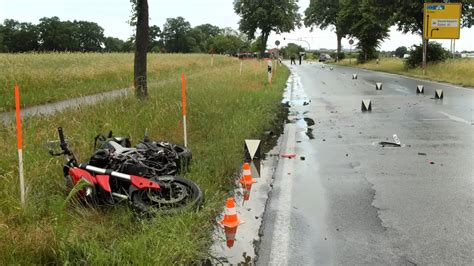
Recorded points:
19,142
351,42
440,21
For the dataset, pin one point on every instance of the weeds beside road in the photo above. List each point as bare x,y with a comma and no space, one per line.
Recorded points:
224,108
454,71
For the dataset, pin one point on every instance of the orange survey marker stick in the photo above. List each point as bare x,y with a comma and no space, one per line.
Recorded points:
183,106
20,145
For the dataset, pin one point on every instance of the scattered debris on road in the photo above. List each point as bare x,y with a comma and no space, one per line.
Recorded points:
288,155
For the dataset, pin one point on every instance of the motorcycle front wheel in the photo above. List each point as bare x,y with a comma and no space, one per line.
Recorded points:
176,194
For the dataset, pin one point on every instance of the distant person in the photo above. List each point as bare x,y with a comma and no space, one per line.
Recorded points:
292,60
301,57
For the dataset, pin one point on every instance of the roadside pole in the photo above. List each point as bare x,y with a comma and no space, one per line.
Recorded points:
454,47
350,54
425,43
19,138
425,40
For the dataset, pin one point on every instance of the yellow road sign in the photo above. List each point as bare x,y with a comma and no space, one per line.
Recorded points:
442,21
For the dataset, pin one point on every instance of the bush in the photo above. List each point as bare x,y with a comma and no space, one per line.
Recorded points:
310,56
367,55
435,53
339,56
401,51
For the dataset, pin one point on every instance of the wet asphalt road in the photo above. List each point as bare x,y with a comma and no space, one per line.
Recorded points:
345,200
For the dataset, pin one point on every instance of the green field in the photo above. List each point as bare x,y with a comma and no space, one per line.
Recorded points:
224,108
455,71
47,77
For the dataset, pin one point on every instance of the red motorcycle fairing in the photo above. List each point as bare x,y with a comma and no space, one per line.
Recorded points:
103,181
77,173
142,183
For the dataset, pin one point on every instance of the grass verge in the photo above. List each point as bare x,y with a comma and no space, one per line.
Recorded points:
223,109
454,71
50,77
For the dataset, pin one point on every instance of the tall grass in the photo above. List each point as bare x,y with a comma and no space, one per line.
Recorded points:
223,109
51,77
455,71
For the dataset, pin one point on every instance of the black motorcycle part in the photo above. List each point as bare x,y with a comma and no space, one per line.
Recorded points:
184,158
100,158
176,194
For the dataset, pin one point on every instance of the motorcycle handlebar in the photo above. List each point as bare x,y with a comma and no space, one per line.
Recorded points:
63,142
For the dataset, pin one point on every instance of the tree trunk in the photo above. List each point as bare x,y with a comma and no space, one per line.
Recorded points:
141,44
339,46
264,44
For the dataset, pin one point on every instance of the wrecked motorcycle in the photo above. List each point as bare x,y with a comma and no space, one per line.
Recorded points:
146,194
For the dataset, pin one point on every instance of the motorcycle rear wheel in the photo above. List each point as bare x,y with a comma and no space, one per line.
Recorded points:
176,194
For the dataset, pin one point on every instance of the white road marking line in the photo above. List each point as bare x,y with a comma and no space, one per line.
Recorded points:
279,254
455,118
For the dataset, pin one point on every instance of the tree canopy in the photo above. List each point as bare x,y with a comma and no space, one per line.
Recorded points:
267,16
324,14
176,35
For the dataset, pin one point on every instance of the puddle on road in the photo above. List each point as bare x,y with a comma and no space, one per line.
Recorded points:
305,124
251,211
46,109
294,94
248,235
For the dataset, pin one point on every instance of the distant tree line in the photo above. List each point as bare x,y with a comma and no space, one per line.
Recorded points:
176,36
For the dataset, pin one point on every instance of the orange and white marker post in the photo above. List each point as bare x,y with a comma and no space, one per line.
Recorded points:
183,106
19,138
270,75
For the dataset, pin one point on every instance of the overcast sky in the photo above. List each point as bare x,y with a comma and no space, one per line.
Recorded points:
113,15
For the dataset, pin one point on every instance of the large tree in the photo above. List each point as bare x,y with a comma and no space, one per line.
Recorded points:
154,39
176,35
291,49
368,23
18,36
267,16
324,14
113,44
140,19
57,35
90,36
203,35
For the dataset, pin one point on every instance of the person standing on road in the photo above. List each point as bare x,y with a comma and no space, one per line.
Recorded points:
292,59
301,57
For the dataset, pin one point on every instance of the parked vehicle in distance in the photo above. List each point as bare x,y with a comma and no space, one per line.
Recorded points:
324,58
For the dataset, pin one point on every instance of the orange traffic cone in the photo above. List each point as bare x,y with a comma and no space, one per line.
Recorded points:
230,235
247,192
247,181
230,222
